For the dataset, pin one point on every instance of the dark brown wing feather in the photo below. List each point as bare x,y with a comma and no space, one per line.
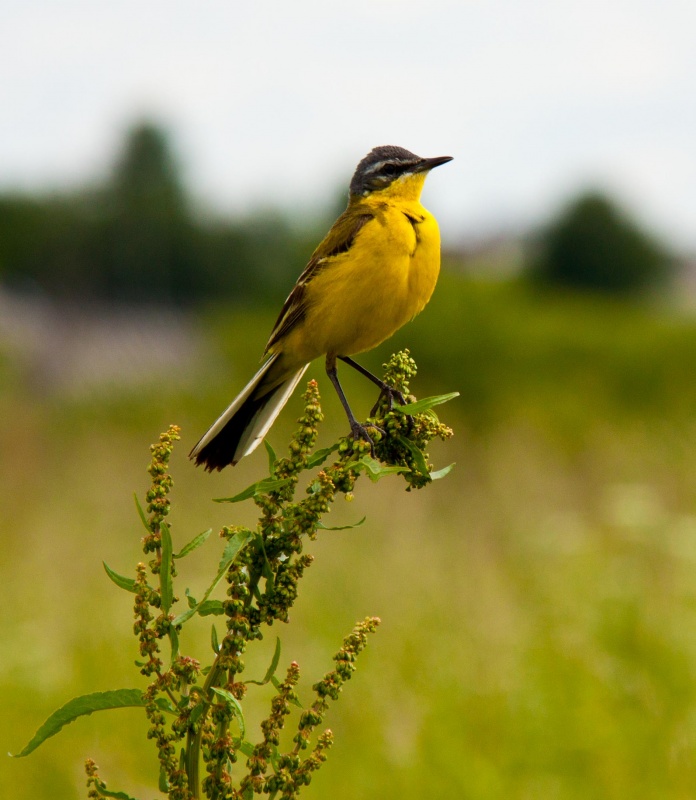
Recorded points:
338,240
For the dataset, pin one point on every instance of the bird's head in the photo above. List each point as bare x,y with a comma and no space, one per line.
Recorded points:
392,170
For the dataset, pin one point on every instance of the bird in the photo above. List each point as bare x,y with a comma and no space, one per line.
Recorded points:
373,272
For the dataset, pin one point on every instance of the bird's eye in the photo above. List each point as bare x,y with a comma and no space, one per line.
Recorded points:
389,170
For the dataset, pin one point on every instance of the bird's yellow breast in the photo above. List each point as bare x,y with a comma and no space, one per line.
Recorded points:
382,281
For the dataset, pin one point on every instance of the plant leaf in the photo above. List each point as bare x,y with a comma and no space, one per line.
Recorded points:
166,589
128,584
174,639
234,545
244,747
270,672
260,487
233,705
165,704
440,473
208,607
425,404
104,792
266,570
194,544
197,711
163,781
80,707
417,455
272,458
320,456
374,470
214,642
274,757
141,513
341,527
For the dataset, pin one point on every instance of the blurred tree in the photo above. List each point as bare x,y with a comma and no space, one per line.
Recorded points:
146,243
137,238
43,243
256,259
593,245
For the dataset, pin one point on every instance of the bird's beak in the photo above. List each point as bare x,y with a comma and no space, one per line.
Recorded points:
430,163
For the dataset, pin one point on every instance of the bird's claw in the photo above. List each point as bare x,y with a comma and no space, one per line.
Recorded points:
391,395
360,432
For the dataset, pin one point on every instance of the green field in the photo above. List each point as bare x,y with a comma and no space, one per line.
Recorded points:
538,605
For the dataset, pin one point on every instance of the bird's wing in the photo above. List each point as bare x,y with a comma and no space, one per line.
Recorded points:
338,240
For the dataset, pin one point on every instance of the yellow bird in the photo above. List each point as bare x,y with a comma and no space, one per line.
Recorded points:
375,270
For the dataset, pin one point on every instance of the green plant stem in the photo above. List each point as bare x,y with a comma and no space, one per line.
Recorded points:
222,730
193,740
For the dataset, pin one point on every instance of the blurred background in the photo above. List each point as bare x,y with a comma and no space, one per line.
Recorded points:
165,172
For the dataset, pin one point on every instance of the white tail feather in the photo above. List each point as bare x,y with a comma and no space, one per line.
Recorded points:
261,423
265,417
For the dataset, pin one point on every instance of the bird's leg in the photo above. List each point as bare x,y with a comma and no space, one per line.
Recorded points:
359,431
386,390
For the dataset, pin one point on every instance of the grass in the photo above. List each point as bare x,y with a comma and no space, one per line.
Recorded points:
537,604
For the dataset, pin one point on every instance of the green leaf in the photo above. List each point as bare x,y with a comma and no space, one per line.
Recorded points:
425,404
440,473
104,792
272,458
141,514
208,607
190,599
416,454
266,569
234,545
374,470
124,583
274,758
244,747
163,780
197,711
194,544
265,486
341,527
174,639
166,589
234,707
270,672
80,707
214,642
320,456
248,793
165,704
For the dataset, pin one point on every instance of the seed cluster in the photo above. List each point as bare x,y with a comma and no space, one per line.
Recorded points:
192,722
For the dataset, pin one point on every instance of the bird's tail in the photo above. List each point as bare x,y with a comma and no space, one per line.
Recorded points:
242,426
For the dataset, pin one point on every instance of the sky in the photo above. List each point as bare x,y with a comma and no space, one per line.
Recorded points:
273,103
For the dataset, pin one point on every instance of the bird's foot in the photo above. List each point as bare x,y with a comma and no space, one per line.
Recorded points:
391,394
360,432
